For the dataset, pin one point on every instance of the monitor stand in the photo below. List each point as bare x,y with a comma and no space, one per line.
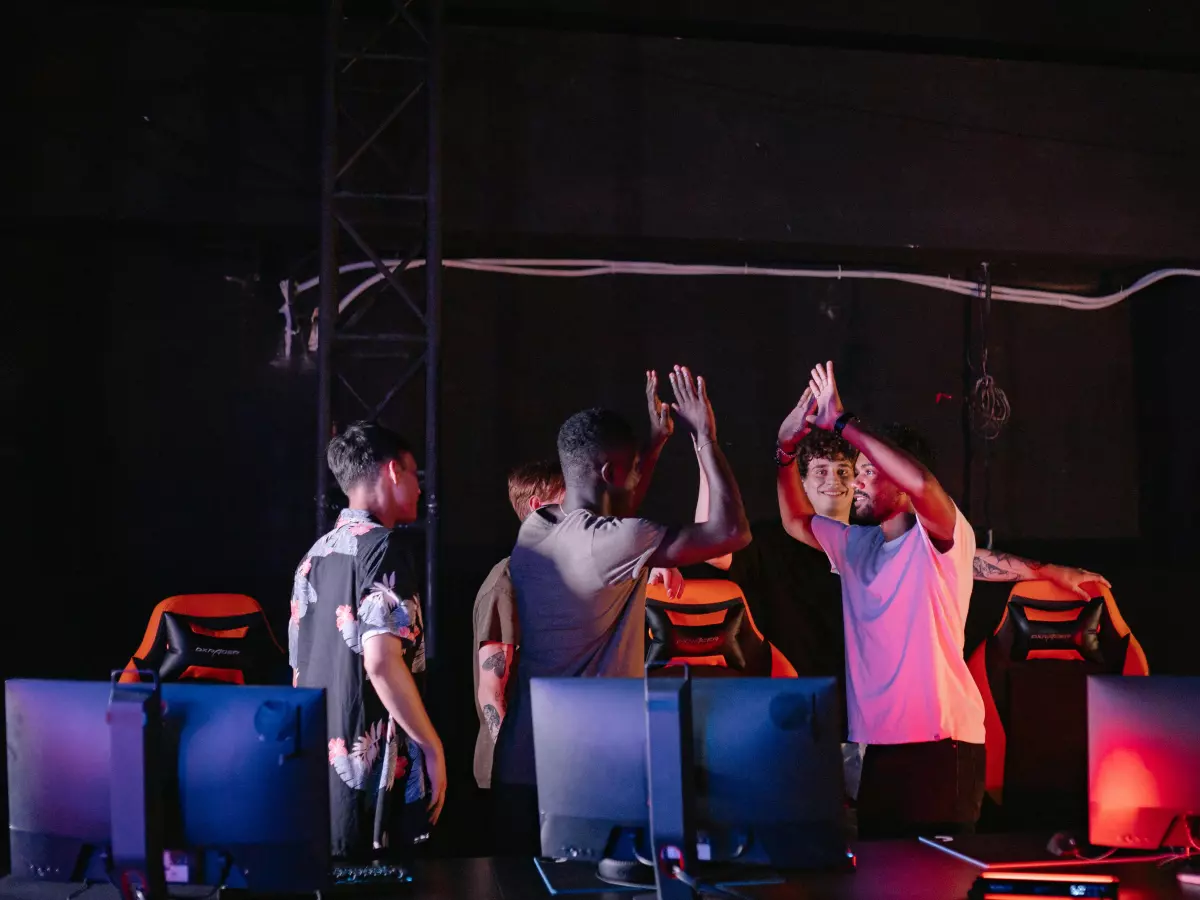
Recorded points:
136,776
670,772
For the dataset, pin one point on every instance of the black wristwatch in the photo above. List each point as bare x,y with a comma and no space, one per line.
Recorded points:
843,420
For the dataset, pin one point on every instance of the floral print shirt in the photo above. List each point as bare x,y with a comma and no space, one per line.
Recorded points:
357,582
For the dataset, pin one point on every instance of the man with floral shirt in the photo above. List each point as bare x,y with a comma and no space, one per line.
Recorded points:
356,630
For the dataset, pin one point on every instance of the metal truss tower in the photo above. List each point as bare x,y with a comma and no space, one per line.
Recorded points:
381,200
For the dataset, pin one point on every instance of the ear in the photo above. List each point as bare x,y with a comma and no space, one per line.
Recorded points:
392,471
534,504
606,472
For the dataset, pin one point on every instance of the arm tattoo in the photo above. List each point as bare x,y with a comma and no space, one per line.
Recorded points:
495,663
1013,558
985,571
989,565
492,717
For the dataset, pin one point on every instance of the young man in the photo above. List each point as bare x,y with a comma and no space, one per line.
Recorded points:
356,631
906,589
580,570
496,627
796,597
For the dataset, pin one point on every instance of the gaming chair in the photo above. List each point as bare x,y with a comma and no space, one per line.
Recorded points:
711,630
1032,673
209,638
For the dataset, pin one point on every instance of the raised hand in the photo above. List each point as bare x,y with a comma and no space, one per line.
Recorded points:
662,426
824,390
692,406
795,426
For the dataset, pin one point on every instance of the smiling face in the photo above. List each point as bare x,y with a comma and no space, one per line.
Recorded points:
829,486
876,497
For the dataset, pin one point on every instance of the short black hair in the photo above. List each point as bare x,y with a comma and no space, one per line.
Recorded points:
911,442
357,454
588,437
821,444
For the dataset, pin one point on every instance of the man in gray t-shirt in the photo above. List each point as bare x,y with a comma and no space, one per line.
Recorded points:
580,570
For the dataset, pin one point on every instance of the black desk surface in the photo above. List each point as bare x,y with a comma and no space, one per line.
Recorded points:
887,870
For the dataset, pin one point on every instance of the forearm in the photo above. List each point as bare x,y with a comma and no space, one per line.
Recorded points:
701,492
989,565
495,662
794,507
398,693
908,474
647,463
725,509
930,501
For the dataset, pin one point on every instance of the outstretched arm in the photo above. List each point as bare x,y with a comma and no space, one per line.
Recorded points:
726,529
794,506
933,506
724,561
990,565
662,426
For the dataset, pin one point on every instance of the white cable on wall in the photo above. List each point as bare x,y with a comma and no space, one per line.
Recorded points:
588,268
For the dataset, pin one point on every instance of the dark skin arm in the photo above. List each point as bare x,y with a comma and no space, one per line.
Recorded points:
726,529
662,426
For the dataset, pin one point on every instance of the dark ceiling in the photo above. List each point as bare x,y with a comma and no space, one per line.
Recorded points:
1158,34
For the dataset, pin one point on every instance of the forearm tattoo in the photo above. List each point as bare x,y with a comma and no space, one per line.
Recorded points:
989,565
492,716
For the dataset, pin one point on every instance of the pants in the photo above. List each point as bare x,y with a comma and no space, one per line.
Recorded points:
515,820
910,790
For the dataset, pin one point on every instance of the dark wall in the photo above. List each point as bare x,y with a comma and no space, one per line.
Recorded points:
597,136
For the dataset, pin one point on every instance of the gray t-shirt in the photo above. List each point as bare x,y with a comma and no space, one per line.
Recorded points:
580,581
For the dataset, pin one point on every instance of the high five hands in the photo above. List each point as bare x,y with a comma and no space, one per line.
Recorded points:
662,426
823,389
819,406
692,406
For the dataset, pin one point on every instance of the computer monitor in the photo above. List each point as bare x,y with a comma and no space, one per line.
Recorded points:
768,770
1143,761
245,792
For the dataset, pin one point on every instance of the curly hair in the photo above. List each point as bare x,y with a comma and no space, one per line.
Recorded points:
543,479
818,444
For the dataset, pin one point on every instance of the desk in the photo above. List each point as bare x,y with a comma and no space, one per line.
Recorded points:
887,870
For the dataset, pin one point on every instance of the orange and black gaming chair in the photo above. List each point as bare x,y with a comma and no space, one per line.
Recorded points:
710,629
1032,673
209,638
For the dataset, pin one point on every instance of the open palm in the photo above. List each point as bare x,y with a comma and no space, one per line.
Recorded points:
824,389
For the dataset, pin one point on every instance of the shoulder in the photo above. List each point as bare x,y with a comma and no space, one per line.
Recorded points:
499,579
830,529
963,547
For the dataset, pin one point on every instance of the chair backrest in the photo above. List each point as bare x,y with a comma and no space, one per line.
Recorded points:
209,637
710,627
1032,673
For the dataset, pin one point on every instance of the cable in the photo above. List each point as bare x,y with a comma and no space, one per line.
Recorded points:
589,268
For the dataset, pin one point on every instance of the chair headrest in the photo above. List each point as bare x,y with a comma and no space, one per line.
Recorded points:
1033,633
672,636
